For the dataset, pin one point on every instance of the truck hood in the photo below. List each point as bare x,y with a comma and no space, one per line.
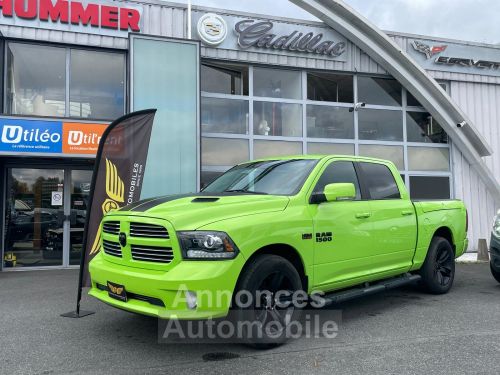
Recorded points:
191,211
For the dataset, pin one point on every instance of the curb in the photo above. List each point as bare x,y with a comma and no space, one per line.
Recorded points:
470,258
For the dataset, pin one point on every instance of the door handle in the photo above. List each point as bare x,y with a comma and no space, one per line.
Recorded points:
363,215
407,213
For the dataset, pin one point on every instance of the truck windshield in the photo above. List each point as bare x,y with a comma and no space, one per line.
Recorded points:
275,177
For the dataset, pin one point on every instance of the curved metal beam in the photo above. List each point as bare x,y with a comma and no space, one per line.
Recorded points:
425,89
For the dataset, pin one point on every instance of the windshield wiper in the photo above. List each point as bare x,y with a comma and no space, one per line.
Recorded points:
244,191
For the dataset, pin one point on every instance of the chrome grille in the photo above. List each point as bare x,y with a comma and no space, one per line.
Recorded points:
111,227
148,230
112,248
152,253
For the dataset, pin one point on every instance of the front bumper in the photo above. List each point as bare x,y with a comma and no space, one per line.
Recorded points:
495,253
161,294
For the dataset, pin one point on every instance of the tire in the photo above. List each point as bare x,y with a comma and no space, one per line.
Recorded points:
270,273
495,273
438,271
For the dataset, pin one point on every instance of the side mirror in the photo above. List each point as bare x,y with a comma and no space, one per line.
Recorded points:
340,192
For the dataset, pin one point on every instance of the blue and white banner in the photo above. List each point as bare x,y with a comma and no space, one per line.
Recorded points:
33,136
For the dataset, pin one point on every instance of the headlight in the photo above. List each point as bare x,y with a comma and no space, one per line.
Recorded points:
207,245
496,226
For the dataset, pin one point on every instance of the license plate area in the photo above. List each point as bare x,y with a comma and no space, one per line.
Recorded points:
117,291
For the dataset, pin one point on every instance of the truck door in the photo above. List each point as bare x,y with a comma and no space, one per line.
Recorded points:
394,223
342,230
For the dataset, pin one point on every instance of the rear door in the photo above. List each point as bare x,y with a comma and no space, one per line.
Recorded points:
394,223
342,231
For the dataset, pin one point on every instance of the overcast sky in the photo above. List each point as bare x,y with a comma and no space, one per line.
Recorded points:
473,20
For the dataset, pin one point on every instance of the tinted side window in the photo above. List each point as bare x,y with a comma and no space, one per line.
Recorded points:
379,181
338,172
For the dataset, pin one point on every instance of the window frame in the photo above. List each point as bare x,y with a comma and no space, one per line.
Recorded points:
365,191
357,144
68,48
299,72
219,65
358,95
336,73
318,198
436,175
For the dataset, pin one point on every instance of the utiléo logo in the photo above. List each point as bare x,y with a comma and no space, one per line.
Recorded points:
78,138
14,134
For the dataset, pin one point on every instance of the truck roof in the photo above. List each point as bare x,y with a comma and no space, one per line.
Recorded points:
322,156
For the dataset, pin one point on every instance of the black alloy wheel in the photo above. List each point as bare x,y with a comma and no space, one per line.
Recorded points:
266,308
438,270
444,266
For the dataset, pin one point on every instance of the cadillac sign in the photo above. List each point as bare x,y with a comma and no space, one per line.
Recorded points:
260,34
212,29
277,37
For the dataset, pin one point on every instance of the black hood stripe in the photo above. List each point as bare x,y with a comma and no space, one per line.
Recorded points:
129,207
147,204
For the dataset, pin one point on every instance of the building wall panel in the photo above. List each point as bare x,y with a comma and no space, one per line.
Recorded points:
481,205
481,102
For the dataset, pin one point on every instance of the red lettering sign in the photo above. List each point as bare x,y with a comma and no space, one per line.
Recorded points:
129,19
6,6
54,12
27,11
84,15
109,17
64,11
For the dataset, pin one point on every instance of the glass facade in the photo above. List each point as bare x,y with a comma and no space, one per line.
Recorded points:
36,89
64,82
43,228
98,95
329,122
46,200
247,112
277,119
251,112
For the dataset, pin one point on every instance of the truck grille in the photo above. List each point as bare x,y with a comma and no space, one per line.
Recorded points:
112,248
148,230
111,227
152,253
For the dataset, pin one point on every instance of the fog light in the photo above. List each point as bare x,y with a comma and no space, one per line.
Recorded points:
191,300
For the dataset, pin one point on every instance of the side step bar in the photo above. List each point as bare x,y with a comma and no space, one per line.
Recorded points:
346,295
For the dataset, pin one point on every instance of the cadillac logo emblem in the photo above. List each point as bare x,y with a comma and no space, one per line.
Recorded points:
122,238
212,29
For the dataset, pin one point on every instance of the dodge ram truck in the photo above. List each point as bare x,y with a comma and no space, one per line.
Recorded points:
343,226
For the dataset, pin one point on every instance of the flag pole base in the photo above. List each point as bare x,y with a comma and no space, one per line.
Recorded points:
75,314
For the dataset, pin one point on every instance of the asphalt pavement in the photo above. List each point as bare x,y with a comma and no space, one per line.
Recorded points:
403,331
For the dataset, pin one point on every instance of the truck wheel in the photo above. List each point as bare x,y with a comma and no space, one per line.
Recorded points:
438,271
495,273
265,314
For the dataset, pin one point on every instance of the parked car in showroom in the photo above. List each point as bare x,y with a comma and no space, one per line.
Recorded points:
495,249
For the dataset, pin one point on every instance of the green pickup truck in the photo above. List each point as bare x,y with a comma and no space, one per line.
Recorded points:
340,226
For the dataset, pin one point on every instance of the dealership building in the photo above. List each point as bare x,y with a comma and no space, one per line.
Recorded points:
264,86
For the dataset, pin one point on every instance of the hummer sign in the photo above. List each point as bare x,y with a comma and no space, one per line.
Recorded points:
92,15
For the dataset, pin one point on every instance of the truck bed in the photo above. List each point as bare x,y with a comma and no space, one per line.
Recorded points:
449,217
